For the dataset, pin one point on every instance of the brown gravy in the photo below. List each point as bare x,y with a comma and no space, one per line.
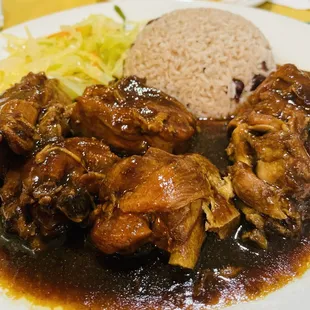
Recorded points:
79,277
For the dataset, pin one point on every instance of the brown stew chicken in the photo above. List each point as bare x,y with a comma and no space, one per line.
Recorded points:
125,184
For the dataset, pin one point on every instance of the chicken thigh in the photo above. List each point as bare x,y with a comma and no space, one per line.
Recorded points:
160,198
33,111
271,171
130,116
41,198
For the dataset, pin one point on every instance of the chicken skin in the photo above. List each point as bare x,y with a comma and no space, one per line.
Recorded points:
271,171
163,199
130,117
54,188
34,111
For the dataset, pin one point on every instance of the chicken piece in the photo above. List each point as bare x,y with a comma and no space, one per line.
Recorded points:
287,84
266,198
162,198
265,224
121,232
34,110
17,125
43,197
181,233
53,123
271,171
256,236
130,117
157,182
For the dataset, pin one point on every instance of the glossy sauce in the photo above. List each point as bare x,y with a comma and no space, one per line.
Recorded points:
79,277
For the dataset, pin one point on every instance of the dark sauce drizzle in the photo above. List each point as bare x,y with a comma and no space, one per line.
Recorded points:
77,276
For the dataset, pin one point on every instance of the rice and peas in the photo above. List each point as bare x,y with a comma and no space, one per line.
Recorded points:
207,58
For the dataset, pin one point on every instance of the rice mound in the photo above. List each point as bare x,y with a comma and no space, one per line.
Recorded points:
195,55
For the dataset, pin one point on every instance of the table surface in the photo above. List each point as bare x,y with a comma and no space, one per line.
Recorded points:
18,11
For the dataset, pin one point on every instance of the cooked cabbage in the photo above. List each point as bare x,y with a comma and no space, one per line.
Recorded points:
90,52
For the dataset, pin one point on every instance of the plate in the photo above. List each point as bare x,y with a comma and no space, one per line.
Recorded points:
245,2
249,3
289,41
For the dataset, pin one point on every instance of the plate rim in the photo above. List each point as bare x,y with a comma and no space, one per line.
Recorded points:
248,305
119,2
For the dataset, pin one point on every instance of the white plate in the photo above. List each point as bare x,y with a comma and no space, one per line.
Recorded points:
245,2
290,42
250,3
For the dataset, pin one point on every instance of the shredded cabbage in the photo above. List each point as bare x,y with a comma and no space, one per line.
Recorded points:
90,52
